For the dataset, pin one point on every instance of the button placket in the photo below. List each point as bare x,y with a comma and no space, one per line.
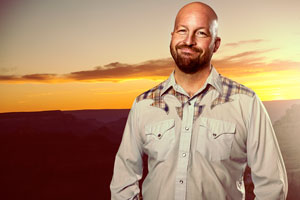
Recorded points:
184,148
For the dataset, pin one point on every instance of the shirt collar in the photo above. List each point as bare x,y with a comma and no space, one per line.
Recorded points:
170,82
213,79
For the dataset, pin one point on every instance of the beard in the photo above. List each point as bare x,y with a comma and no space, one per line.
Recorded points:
185,62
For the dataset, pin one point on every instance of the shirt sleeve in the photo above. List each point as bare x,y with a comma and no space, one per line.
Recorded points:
264,156
128,168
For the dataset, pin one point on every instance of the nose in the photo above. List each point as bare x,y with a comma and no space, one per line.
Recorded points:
190,40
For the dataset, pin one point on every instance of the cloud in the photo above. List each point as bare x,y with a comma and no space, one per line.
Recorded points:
116,71
246,54
8,78
242,64
252,62
29,78
39,77
152,69
235,44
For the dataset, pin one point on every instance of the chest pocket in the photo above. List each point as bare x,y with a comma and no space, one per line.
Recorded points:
160,138
215,138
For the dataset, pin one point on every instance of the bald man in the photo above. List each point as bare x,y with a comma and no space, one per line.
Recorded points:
198,128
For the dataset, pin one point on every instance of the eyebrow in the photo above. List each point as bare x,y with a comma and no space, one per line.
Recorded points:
178,26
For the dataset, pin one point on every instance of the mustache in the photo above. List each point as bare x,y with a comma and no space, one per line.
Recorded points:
193,48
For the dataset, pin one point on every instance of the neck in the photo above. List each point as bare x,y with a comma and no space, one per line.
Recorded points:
191,83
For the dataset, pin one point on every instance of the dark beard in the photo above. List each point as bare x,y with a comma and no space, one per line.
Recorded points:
188,65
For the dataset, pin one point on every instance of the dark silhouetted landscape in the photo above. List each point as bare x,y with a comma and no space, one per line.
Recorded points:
70,154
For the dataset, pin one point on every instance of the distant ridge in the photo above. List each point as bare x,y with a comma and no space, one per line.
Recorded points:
101,115
276,110
30,114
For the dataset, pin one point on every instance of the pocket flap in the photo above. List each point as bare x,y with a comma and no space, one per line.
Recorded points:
217,127
159,128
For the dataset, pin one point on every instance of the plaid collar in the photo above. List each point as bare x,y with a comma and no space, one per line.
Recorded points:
225,87
213,79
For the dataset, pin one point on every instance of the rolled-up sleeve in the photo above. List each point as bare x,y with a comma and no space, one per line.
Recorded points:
264,156
128,168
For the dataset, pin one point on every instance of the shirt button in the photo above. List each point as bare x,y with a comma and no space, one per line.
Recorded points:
187,128
184,155
181,181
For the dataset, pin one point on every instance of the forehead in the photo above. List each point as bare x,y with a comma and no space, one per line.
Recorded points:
193,19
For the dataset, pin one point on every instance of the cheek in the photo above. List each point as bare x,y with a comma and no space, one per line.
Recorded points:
176,40
207,46
173,46
173,43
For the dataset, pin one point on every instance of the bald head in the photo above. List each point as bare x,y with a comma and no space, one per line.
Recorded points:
194,38
201,11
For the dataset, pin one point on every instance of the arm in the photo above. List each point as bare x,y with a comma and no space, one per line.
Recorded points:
264,156
128,166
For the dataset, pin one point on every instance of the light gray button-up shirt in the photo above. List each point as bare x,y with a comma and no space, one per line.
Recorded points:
198,147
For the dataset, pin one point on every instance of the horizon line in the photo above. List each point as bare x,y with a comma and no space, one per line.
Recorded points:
97,109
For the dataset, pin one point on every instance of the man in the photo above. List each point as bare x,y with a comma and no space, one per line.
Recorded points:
198,128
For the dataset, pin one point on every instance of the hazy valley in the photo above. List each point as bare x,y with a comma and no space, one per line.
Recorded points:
70,154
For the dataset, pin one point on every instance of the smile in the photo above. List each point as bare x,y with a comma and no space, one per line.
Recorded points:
187,51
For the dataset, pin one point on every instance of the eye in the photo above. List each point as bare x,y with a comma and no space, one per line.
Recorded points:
181,31
201,34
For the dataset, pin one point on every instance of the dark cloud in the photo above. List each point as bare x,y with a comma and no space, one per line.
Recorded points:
8,78
242,64
252,62
116,71
29,78
39,77
152,69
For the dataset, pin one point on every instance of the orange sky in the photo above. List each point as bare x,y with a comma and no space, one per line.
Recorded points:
75,55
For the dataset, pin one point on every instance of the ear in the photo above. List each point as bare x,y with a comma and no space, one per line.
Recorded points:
217,44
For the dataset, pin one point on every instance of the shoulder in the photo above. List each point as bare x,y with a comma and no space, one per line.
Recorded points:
153,93
231,87
231,91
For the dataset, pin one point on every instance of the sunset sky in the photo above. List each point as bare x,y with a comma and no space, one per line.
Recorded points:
98,54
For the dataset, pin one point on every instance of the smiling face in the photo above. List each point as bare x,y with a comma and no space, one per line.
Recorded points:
194,39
